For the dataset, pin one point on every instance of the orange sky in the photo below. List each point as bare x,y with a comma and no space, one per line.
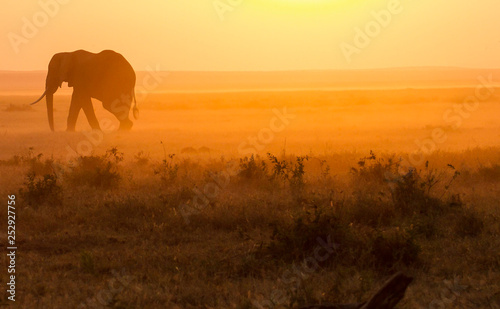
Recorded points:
255,34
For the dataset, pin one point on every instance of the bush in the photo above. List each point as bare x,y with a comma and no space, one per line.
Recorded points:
411,192
297,182
141,159
293,241
252,168
291,173
38,190
280,168
97,171
33,162
355,245
427,226
394,247
468,224
370,210
490,173
167,170
373,170
410,195
174,197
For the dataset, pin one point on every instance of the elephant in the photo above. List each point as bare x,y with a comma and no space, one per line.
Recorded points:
106,76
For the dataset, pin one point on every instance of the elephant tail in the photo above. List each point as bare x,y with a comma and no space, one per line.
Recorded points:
135,110
40,98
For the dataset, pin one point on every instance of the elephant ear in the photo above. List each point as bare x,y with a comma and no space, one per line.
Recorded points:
67,69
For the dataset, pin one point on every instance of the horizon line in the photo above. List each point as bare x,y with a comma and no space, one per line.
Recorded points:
300,70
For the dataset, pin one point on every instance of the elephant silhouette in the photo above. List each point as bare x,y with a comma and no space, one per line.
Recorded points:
106,76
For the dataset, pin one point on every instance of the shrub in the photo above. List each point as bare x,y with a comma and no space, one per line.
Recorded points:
490,173
291,173
172,198
36,164
468,224
97,171
456,201
409,194
412,191
141,159
371,210
292,241
297,175
33,162
394,247
354,244
38,190
325,170
13,161
252,168
280,168
427,226
373,170
167,170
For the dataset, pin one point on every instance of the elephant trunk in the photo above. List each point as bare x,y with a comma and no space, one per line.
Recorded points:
49,97
51,84
50,110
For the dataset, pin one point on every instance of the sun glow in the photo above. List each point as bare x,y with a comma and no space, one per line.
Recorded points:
252,34
309,7
309,4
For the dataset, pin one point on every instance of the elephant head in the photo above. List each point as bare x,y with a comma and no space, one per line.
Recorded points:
60,70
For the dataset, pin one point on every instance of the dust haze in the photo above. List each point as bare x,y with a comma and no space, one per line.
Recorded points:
389,111
229,183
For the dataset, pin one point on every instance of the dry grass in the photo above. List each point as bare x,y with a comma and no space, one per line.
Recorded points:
253,229
117,214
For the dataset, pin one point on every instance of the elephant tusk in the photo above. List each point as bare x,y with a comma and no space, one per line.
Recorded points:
39,98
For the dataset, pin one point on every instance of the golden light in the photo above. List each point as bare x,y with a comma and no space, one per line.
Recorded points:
308,6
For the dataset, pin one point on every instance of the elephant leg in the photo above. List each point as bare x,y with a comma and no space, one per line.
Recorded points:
126,124
74,110
88,109
121,108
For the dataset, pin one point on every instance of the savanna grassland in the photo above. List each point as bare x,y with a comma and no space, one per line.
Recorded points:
277,198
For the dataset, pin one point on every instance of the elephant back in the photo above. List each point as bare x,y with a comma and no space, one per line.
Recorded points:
112,76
